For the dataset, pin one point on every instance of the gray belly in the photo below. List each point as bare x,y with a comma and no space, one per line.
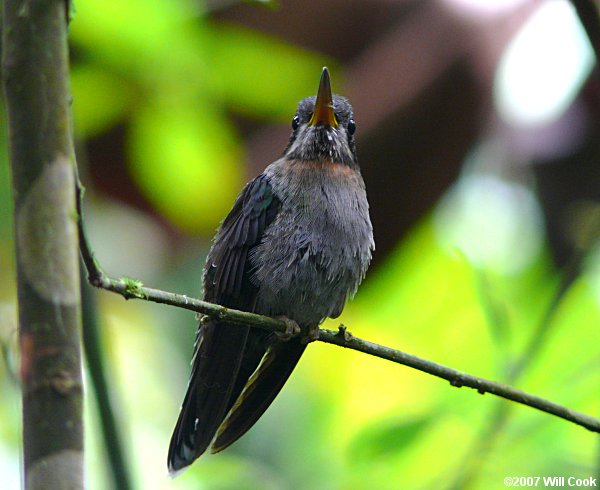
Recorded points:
306,268
317,250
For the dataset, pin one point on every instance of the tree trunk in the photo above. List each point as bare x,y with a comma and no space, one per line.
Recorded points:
35,72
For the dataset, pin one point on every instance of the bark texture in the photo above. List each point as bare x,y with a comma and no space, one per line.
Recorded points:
36,86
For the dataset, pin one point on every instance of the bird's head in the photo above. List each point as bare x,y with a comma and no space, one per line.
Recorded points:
323,128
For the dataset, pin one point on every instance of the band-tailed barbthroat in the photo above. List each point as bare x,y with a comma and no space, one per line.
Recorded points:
296,244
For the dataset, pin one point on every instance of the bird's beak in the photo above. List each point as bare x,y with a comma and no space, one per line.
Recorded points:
323,113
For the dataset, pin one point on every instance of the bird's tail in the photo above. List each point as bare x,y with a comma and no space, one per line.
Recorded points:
218,353
262,388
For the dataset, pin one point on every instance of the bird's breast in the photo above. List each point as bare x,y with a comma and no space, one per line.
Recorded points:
317,250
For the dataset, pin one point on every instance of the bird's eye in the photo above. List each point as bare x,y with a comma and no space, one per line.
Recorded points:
295,123
351,126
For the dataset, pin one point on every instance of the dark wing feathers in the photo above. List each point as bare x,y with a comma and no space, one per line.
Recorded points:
259,391
254,210
203,408
220,351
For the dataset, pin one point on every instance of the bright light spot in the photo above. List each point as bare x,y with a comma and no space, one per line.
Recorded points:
495,223
483,8
543,67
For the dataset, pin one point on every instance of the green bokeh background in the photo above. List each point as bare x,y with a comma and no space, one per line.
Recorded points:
173,78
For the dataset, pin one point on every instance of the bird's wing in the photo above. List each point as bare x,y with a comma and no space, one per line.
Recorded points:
220,348
227,275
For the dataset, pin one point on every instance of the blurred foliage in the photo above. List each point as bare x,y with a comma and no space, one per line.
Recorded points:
173,80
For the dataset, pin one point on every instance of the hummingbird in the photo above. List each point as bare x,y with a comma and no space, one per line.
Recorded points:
296,245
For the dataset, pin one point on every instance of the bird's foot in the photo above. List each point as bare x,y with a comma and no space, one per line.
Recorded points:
312,334
291,328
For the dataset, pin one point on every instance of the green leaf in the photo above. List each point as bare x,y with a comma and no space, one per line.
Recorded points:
151,40
134,287
386,438
99,99
260,75
186,160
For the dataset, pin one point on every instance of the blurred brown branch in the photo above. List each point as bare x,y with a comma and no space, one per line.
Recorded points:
589,16
133,289
36,87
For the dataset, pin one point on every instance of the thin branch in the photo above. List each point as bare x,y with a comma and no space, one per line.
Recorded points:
106,396
500,416
589,17
458,378
114,450
132,289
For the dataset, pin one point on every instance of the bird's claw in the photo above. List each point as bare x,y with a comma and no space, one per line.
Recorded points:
291,329
312,334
